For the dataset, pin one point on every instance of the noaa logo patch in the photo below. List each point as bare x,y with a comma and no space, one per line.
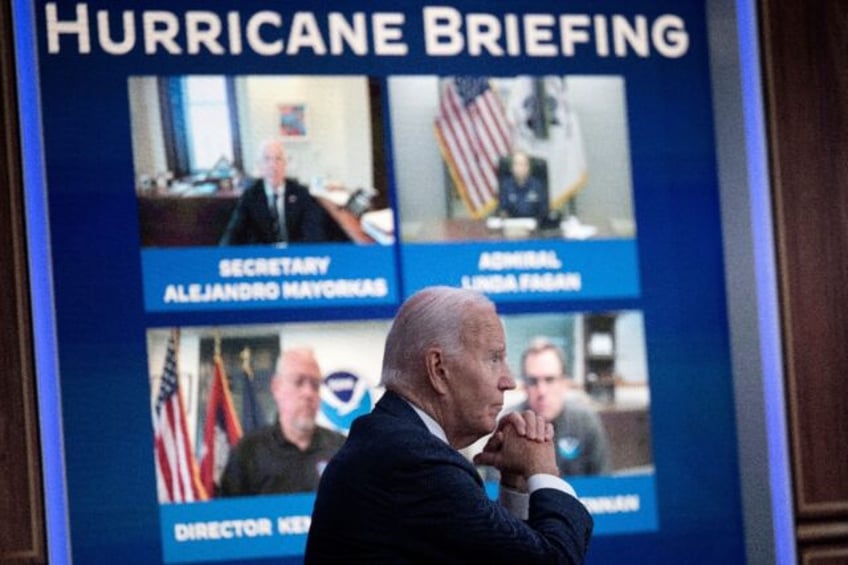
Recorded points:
569,447
344,397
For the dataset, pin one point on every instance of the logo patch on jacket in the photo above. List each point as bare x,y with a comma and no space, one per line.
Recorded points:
569,447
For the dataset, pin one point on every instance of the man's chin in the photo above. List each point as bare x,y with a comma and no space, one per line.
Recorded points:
542,410
305,425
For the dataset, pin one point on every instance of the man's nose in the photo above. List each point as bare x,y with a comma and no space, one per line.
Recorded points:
508,380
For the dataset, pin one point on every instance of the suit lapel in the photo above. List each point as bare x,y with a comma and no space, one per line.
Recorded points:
396,407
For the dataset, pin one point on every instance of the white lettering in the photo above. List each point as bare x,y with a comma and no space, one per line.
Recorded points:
601,38
164,35
223,529
550,282
524,282
618,504
340,288
537,35
442,35
504,260
292,525
571,33
203,28
513,40
105,37
254,37
447,32
636,36
274,267
492,284
388,33
234,28
342,33
669,36
304,33
79,27
484,30
220,292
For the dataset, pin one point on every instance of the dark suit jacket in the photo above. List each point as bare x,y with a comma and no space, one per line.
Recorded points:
251,221
395,493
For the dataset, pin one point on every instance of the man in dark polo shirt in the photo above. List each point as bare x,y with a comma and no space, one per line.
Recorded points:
290,454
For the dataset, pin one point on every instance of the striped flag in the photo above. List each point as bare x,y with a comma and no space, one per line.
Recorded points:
222,429
473,134
176,468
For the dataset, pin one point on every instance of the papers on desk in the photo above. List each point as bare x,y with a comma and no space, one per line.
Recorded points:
512,228
511,224
573,229
379,224
339,197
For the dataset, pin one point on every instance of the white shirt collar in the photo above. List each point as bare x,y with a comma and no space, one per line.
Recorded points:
269,190
432,425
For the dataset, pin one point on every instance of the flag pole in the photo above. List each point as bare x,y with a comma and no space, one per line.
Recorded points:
245,362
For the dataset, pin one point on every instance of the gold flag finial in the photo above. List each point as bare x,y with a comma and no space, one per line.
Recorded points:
245,362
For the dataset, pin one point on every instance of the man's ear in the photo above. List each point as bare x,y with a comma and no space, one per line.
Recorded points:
275,385
437,372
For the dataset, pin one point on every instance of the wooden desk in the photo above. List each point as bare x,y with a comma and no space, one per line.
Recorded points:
177,221
467,229
190,221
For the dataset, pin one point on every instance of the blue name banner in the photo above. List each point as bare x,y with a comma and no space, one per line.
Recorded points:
257,277
522,271
278,525
238,528
619,504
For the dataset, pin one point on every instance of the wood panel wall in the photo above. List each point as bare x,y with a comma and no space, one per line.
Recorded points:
805,54
22,537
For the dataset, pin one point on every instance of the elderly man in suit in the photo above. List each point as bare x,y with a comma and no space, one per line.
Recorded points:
275,209
400,491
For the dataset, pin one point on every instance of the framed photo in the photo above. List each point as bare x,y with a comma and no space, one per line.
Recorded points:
293,121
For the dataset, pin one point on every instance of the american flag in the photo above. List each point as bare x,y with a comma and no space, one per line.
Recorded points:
176,468
222,429
473,134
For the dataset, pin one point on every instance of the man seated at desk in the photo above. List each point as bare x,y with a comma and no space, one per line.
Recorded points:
582,447
275,209
522,194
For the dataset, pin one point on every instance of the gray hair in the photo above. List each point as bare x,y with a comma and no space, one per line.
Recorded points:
432,317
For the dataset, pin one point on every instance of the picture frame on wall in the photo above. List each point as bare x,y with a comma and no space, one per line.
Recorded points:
293,121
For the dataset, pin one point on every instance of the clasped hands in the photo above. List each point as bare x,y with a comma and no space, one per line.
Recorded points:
521,446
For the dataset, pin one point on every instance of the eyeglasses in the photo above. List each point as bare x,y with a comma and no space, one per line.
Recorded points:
549,380
302,381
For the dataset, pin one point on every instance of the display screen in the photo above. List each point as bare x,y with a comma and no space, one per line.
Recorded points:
228,184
